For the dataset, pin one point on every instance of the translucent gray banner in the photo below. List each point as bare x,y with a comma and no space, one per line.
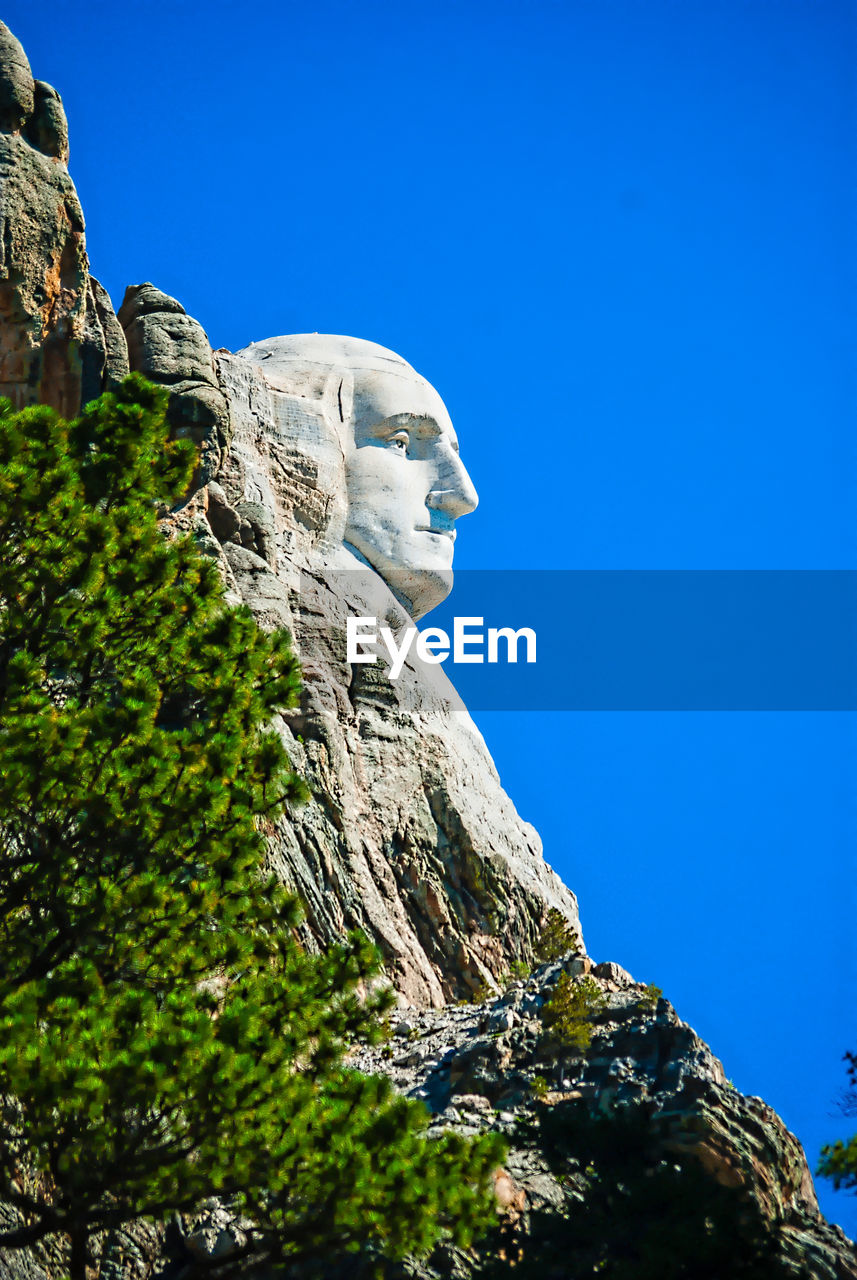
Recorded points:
617,640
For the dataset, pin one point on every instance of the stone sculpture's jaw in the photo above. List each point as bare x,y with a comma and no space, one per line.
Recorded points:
406,484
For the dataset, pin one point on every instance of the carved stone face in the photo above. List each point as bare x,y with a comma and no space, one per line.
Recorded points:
407,485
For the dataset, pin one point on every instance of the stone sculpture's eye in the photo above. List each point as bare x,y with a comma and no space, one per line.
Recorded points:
400,441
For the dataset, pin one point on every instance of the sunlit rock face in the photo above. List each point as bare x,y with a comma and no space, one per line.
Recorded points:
60,343
340,494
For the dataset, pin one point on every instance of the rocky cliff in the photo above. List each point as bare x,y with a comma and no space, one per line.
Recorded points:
60,343
493,1066
408,833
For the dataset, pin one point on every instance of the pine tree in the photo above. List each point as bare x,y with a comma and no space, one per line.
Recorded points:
163,1036
556,939
839,1159
568,1015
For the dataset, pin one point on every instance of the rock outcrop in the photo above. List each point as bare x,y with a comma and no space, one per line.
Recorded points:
408,833
492,1066
168,346
60,343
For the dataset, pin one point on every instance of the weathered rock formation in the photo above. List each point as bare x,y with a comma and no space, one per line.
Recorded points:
168,346
408,833
60,343
479,1067
492,1065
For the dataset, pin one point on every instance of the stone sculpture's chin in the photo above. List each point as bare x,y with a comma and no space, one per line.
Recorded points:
419,586
420,591
416,564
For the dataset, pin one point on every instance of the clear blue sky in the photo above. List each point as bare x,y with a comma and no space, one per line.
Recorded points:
620,240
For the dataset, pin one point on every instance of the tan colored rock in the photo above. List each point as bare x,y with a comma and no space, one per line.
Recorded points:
43,279
510,1198
613,974
59,341
103,353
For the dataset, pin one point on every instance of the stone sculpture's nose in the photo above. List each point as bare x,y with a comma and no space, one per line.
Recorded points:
453,491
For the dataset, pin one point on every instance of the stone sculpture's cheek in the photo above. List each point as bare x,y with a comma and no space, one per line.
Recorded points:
389,523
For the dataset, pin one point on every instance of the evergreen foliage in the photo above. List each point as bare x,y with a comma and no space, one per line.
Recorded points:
569,1013
839,1159
556,938
163,1037
649,998
632,1210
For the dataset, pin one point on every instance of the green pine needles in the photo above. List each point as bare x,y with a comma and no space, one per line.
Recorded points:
556,938
839,1159
163,1037
569,1013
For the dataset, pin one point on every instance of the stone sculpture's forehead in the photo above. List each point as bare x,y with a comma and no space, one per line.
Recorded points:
326,350
379,395
379,382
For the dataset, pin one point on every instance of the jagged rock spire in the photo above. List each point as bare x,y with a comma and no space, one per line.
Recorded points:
60,343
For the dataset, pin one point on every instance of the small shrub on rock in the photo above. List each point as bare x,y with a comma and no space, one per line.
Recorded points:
538,1087
569,1013
556,939
649,997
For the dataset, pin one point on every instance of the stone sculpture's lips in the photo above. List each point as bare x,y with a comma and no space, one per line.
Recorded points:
444,533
